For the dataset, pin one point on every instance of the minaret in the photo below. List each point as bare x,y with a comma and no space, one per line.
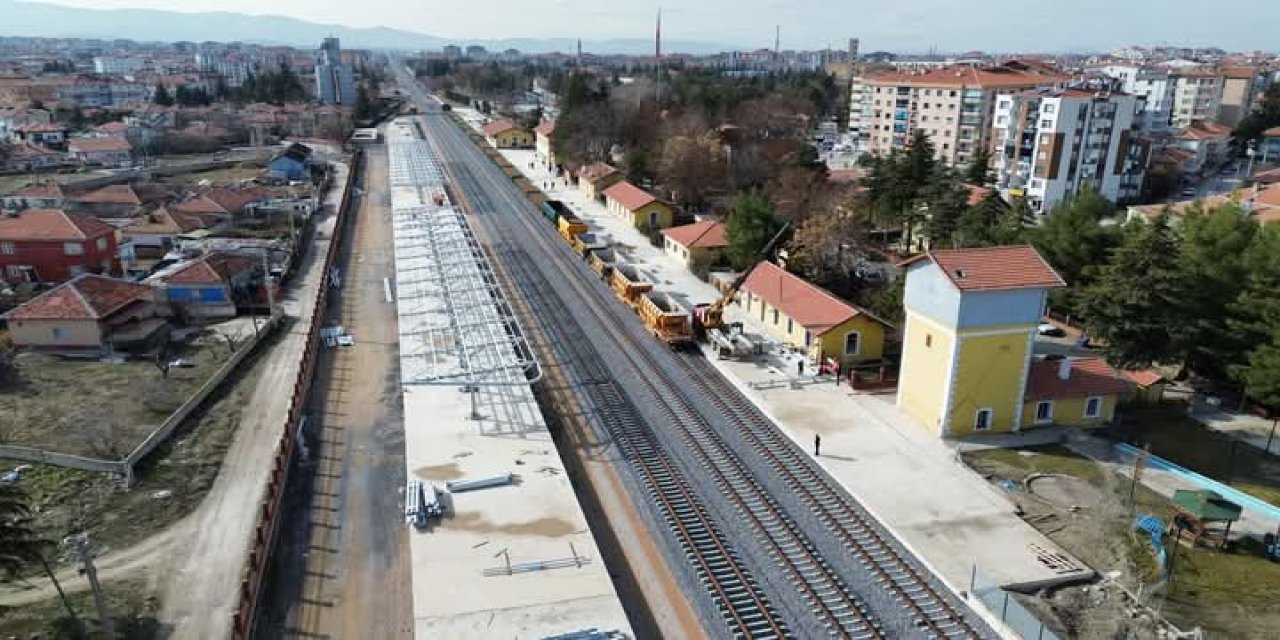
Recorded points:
579,52
657,38
777,41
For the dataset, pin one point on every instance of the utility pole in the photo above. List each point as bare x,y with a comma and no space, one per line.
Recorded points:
79,543
1139,463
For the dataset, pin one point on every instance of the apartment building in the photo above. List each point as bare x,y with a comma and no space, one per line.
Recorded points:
1197,95
335,81
1049,142
117,65
952,105
1153,86
1237,93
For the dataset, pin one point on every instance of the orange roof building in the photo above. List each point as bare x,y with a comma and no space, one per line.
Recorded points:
638,207
90,312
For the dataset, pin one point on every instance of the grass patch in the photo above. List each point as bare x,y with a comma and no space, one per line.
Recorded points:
132,604
1184,441
1228,593
99,409
217,177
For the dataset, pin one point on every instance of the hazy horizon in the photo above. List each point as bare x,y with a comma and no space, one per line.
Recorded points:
989,25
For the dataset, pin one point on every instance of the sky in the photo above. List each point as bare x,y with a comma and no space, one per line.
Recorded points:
917,25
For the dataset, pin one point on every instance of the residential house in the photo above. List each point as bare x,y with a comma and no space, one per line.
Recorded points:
811,320
90,312
1077,392
11,119
115,201
594,178
1050,142
1197,95
1209,141
543,142
25,156
155,234
971,322
211,286
700,243
50,135
34,196
1148,386
1260,201
953,105
505,134
115,129
292,164
638,207
1269,146
108,152
238,201
51,245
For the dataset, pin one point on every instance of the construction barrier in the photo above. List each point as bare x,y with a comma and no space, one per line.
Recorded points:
268,526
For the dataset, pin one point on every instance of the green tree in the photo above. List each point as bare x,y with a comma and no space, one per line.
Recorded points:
1135,302
1264,116
1262,375
1255,313
1074,240
161,96
979,170
1214,246
948,203
750,226
19,545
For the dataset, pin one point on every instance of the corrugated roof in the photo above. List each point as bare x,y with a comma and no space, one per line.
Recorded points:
111,194
499,126
87,297
708,234
52,225
629,196
812,307
1088,377
993,268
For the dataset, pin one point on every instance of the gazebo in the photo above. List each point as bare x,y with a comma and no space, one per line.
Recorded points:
1203,516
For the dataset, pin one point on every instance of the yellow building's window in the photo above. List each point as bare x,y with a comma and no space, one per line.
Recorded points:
928,339
775,316
790,325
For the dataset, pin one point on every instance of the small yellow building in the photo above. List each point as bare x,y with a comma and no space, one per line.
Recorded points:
638,207
505,134
971,319
1078,392
594,178
697,243
807,317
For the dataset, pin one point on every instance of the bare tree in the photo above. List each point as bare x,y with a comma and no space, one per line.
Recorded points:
231,338
692,165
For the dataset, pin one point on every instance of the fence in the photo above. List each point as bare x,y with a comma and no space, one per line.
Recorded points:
124,466
1007,609
268,526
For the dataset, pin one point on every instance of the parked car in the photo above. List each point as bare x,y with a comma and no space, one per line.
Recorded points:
1050,330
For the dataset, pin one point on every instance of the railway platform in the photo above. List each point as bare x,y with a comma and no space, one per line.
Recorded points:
513,558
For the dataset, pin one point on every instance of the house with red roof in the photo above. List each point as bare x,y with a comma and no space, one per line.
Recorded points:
50,135
968,363
700,243
111,201
212,286
106,151
28,156
51,245
594,178
34,196
1209,143
810,319
90,312
506,134
638,207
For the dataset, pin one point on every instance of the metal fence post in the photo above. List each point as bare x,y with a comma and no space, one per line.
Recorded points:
1004,607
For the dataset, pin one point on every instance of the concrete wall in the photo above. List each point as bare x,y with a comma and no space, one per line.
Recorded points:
41,333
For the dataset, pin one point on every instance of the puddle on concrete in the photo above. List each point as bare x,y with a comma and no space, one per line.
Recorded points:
545,527
439,472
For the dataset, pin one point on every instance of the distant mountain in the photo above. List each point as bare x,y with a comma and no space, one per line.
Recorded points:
34,19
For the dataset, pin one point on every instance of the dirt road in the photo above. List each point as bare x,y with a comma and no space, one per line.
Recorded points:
342,569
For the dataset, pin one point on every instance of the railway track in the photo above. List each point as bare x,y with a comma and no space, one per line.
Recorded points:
674,440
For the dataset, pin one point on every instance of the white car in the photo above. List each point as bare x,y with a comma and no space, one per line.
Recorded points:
1051,330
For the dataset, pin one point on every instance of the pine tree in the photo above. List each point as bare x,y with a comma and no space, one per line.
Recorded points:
750,226
1135,303
978,172
1214,245
161,96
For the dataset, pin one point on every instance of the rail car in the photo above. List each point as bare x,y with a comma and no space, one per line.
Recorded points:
666,318
588,242
602,260
628,283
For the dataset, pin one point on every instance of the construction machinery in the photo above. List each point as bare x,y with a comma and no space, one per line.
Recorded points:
711,316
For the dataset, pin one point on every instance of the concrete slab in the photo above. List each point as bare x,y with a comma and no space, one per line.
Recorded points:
463,585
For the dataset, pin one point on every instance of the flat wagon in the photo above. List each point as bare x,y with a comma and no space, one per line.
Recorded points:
627,281
666,318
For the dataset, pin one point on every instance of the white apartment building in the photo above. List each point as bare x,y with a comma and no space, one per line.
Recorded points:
1050,142
117,66
953,106
1153,86
1197,95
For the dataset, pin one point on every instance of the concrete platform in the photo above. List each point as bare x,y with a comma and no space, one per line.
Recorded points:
452,336
952,518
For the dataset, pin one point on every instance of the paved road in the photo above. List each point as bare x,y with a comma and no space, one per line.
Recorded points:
343,567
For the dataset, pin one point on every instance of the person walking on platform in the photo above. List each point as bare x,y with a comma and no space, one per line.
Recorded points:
817,445
800,368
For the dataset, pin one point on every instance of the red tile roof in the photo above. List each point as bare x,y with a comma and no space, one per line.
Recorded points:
94,145
52,225
212,268
967,76
163,221
499,126
88,297
199,204
629,196
546,127
114,128
595,171
708,234
1273,132
1088,377
42,127
233,200
976,193
812,307
993,268
50,190
1144,378
112,194
1202,130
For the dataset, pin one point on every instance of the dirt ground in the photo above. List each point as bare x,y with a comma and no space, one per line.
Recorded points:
216,177
99,409
1225,593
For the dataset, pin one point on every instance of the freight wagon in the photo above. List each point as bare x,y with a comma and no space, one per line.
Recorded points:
587,242
666,319
629,283
602,261
571,227
553,209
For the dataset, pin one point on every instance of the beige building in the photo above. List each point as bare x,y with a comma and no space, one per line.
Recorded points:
953,105
1197,95
91,312
1237,94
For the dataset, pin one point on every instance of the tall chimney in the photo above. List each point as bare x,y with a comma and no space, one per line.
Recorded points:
1064,369
657,38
